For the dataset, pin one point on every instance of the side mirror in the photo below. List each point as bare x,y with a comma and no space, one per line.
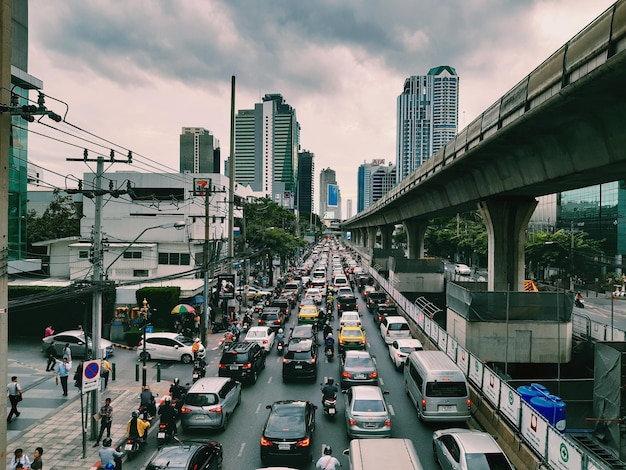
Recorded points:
346,452
385,392
268,407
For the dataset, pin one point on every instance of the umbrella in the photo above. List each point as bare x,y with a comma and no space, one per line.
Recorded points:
183,308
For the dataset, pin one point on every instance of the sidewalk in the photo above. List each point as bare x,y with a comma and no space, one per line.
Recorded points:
54,422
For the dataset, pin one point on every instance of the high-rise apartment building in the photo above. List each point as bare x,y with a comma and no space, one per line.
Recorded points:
199,151
305,181
330,196
374,180
427,117
267,140
348,208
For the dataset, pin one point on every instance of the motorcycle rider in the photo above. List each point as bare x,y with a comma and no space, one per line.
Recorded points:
329,343
198,349
148,402
578,300
108,454
137,427
280,337
329,390
327,461
168,415
177,391
328,329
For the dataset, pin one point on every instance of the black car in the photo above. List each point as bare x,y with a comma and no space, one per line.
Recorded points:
346,303
284,304
385,310
300,360
302,333
189,456
242,361
363,280
374,299
272,317
288,431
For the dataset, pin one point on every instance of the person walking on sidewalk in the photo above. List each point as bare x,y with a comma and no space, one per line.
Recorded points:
106,418
67,353
15,396
78,376
105,371
19,460
64,372
37,462
51,353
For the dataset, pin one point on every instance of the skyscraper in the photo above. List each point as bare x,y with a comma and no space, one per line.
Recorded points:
374,180
199,151
267,140
427,117
330,196
305,181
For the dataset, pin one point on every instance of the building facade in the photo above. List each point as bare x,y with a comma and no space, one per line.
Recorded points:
427,117
199,151
374,180
267,141
330,196
305,193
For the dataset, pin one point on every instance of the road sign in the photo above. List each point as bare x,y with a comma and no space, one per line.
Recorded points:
91,376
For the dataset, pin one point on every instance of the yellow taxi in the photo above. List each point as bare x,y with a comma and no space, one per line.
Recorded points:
308,314
351,337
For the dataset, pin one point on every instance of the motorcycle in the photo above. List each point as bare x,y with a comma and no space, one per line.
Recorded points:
279,347
580,303
164,434
132,446
199,370
330,352
330,405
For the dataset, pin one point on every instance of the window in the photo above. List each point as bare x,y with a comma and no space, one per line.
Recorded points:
140,273
83,254
133,255
175,259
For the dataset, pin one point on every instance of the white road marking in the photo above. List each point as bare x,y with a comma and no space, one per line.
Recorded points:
393,413
258,408
380,380
243,446
269,380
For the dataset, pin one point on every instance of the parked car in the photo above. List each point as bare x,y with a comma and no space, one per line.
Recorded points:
358,368
465,449
242,361
394,327
300,360
209,403
366,412
288,431
76,340
191,456
462,269
400,348
166,346
261,335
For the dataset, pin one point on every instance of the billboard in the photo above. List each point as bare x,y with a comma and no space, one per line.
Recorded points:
226,284
200,186
332,198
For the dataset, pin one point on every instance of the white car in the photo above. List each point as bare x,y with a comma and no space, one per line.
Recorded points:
400,348
262,335
252,291
465,449
166,346
394,327
346,290
350,319
462,269
315,294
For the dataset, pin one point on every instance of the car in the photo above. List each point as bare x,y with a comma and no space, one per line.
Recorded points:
350,318
206,455
209,403
346,290
387,309
366,412
358,368
300,360
400,348
272,317
346,302
462,269
375,298
253,291
262,335
288,431
465,449
284,304
308,314
167,346
394,327
76,340
315,294
242,361
367,290
301,333
351,337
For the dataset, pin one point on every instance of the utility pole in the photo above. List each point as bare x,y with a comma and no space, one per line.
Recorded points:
205,259
6,45
231,185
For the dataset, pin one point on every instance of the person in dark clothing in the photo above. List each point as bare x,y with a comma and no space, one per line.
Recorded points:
147,401
329,390
106,419
51,352
78,375
168,414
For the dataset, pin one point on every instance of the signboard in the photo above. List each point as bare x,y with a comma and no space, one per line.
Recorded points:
510,404
332,199
91,376
378,161
200,186
491,386
462,359
226,284
475,371
562,454
534,429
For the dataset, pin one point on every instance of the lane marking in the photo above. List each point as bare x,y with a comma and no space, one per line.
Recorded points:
258,408
380,379
269,380
393,413
243,446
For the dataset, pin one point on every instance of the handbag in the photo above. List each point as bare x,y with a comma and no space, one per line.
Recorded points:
18,398
97,416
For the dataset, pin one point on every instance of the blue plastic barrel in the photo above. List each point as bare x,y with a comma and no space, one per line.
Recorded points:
552,408
530,391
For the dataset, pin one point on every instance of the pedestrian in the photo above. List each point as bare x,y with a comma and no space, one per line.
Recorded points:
15,396
48,331
196,322
51,352
105,371
78,375
67,353
37,462
64,372
106,418
19,460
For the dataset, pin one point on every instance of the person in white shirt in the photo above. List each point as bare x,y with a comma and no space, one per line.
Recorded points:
19,460
327,461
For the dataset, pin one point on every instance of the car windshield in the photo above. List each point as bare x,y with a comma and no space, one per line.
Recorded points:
170,458
298,355
302,333
256,334
364,406
351,333
201,399
446,389
286,421
494,461
269,316
359,362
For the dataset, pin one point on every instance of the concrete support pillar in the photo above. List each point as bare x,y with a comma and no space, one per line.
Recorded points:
371,237
386,236
415,230
506,220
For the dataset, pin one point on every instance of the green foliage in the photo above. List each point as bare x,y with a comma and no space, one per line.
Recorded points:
463,235
161,300
61,219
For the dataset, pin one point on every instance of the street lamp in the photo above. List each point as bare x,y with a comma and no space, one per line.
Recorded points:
144,314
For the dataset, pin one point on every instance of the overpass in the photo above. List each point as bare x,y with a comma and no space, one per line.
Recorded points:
560,128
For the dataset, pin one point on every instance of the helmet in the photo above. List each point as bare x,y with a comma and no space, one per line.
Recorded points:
196,340
167,399
176,381
328,450
330,381
110,466
329,335
135,414
280,330
107,441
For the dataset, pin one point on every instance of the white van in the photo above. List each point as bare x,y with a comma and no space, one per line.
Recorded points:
437,387
390,454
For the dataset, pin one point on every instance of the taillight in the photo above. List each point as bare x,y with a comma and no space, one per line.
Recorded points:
352,422
247,365
222,366
140,343
469,403
185,410
423,404
304,442
216,409
387,422
265,341
341,341
265,442
373,375
312,361
346,374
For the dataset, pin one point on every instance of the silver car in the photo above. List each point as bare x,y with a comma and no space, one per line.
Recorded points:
465,449
367,414
358,368
78,344
210,402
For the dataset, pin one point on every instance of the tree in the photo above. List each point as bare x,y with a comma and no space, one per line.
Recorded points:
462,236
60,219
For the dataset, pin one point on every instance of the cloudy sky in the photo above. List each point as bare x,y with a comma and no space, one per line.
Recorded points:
135,72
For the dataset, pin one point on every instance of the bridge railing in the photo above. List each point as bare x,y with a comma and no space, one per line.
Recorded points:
553,447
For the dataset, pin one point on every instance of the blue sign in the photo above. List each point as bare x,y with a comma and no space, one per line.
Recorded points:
333,195
149,329
92,370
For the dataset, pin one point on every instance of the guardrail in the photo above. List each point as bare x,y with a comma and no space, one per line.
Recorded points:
555,449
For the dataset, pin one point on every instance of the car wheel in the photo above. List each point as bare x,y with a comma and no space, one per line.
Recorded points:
186,359
144,356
